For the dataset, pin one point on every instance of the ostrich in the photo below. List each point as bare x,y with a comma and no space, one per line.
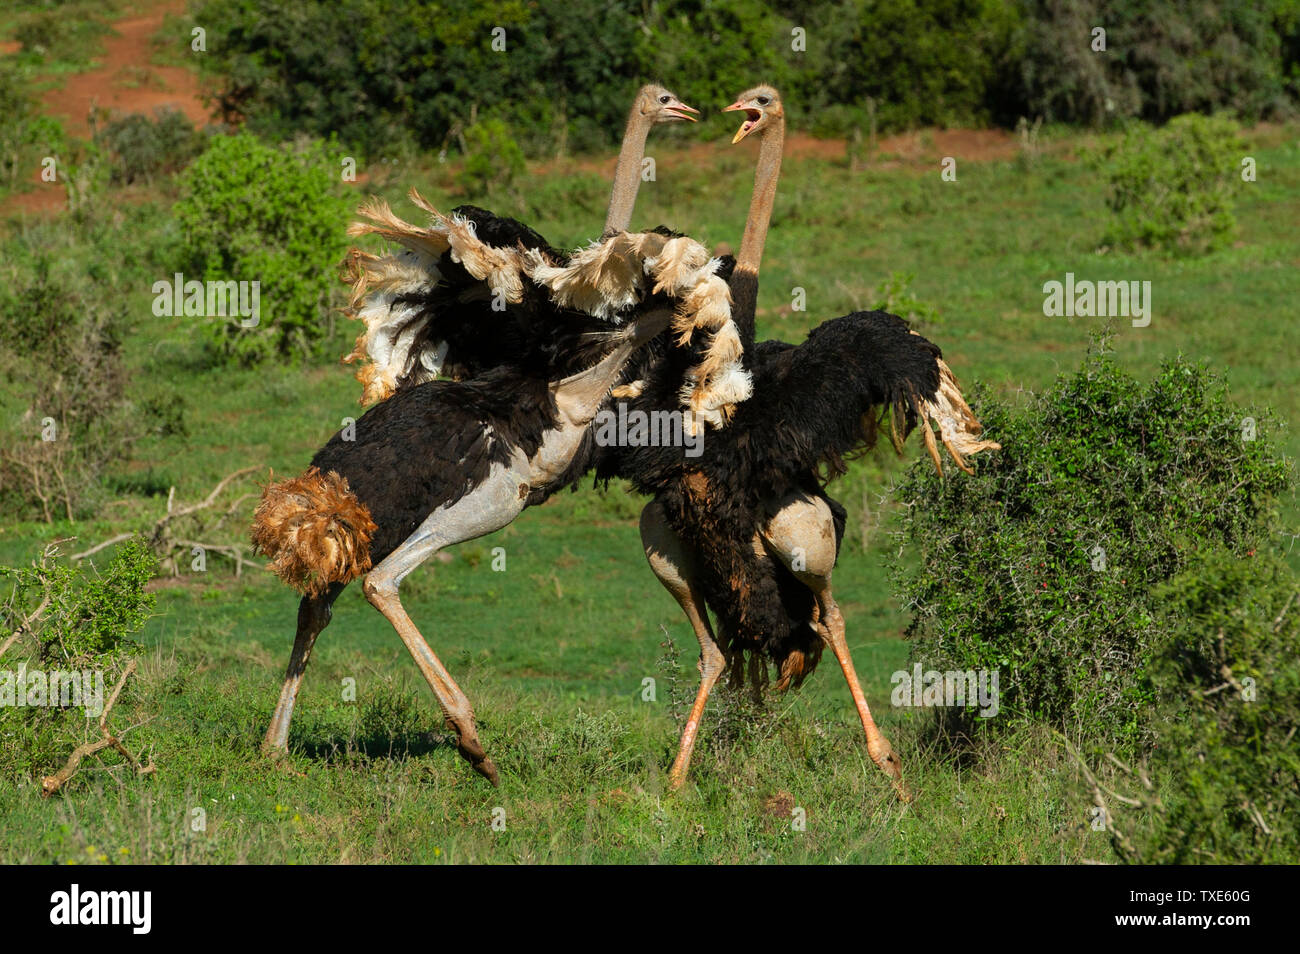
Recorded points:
441,462
747,529
489,446
453,300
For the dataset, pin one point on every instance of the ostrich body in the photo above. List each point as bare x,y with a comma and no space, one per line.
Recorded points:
441,462
747,528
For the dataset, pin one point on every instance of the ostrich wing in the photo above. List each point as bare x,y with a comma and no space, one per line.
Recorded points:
436,301
820,401
474,291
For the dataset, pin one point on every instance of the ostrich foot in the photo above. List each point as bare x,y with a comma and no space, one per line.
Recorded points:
882,753
472,752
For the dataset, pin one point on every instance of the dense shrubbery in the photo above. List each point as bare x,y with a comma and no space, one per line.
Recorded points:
25,135
252,212
64,417
142,147
1046,564
1172,188
67,620
921,62
379,75
59,34
1227,684
1116,563
1162,58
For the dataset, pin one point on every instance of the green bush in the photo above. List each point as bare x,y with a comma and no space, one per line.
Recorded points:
492,160
70,620
1172,188
277,216
143,147
1222,784
26,136
60,35
1045,565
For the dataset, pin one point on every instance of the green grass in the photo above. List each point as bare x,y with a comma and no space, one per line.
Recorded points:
553,651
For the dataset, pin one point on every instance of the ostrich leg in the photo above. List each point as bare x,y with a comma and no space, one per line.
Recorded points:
801,535
313,616
674,564
488,507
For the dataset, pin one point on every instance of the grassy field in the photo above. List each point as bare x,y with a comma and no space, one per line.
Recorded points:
554,650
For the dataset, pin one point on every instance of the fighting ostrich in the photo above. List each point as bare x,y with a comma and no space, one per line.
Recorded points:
434,465
747,529
454,300
439,462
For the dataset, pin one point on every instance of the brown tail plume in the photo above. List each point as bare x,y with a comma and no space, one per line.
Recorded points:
315,531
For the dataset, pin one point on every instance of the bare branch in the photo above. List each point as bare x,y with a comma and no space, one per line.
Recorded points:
107,543
52,783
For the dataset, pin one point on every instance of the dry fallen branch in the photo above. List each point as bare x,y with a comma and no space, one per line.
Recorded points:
161,540
101,546
52,783
26,625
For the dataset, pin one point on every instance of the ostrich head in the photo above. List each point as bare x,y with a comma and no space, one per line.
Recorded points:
762,106
660,105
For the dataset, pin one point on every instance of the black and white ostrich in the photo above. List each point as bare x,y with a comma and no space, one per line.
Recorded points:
433,465
747,528
454,299
438,462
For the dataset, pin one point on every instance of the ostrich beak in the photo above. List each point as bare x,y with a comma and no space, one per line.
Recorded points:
752,117
680,111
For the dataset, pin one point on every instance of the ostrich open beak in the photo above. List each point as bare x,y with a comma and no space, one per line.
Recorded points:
681,110
752,116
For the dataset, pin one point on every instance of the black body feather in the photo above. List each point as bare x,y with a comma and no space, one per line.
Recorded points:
813,405
429,445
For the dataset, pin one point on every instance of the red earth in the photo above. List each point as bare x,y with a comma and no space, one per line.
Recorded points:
122,81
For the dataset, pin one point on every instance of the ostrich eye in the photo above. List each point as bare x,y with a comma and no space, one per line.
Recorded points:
763,100
664,100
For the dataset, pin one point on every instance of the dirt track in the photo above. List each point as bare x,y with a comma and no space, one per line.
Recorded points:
124,81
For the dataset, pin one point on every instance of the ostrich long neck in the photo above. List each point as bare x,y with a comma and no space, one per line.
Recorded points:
744,280
627,174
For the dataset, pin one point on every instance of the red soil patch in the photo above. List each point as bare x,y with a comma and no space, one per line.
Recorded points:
977,145
125,81
46,197
122,81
